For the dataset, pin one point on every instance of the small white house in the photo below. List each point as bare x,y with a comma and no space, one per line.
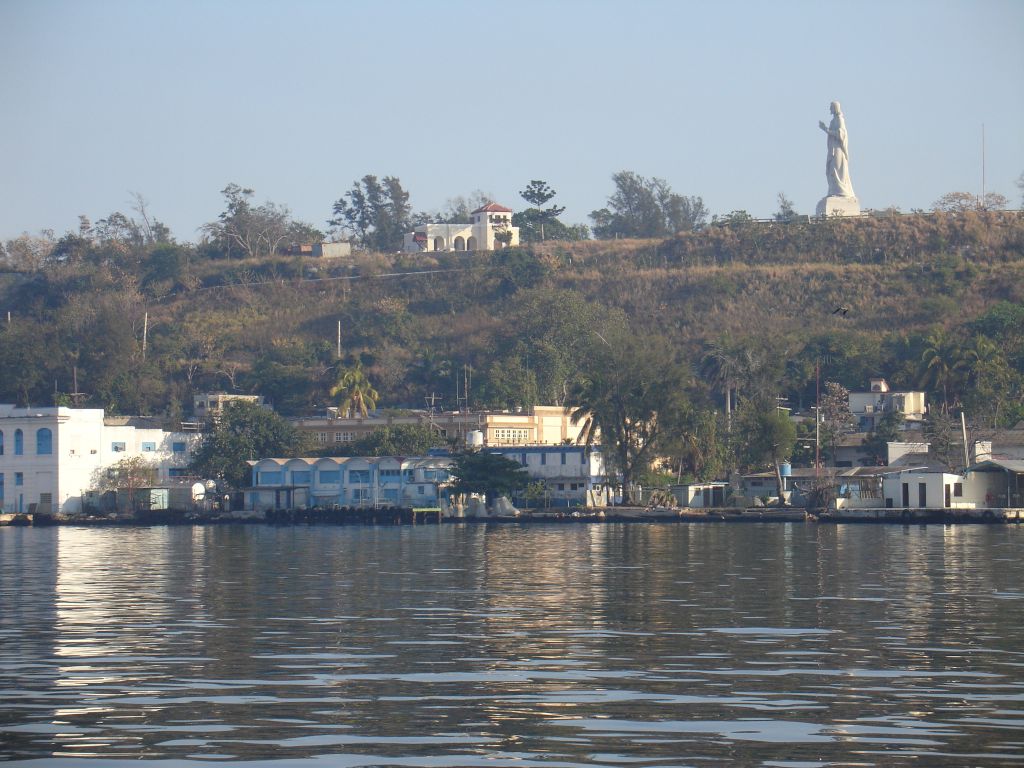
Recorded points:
481,234
701,495
923,489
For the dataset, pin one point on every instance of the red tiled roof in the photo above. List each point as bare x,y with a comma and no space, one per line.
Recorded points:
493,208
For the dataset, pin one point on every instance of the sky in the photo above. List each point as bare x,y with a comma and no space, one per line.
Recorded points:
175,99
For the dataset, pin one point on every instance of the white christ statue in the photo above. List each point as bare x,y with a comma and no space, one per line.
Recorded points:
837,163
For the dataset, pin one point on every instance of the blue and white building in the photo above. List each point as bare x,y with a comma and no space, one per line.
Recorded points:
386,481
573,475
50,457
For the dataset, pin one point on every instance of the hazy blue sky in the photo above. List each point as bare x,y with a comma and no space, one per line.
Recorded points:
297,99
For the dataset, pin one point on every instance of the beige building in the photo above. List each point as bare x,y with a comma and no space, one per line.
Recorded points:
481,234
868,408
540,425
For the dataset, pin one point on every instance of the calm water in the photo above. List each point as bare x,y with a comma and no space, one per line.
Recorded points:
641,645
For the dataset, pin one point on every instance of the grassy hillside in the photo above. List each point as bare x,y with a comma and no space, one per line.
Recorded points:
513,325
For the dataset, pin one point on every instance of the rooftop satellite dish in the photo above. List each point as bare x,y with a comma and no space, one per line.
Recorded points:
198,492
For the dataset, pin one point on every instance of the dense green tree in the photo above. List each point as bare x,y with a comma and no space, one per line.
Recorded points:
697,445
771,436
531,222
642,207
245,432
632,395
488,473
376,212
166,268
401,440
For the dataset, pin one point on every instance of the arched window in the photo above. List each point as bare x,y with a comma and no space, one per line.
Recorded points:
19,442
460,243
471,244
44,441
438,243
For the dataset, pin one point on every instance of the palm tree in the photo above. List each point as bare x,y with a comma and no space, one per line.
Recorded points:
724,363
943,367
357,394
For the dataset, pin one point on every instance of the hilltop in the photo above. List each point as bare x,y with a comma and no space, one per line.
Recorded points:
867,296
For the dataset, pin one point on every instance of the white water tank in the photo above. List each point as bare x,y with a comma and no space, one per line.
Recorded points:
475,438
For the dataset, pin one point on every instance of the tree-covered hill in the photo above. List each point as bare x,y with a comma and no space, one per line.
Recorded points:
876,295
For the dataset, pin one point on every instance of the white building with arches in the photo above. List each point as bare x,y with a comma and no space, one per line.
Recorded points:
49,457
488,225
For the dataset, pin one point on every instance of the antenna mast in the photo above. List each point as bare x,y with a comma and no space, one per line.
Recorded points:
982,165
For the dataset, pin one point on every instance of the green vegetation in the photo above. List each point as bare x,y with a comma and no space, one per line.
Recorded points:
487,473
401,440
699,330
244,432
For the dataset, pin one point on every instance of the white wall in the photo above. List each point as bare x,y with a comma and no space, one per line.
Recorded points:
82,450
973,489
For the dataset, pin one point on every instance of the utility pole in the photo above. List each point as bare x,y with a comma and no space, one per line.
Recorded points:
982,165
145,335
339,339
817,418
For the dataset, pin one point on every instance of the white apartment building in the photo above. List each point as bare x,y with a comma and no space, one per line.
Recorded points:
49,457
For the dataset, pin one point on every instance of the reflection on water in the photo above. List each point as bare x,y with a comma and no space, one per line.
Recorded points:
774,645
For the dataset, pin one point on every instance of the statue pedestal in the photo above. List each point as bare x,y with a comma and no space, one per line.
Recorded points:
838,206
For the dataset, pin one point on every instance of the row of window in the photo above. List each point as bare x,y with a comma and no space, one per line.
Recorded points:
44,442
333,476
121,447
544,458
339,437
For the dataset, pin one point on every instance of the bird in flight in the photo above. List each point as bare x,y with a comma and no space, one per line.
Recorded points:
841,310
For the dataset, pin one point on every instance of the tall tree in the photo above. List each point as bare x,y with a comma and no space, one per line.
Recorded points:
836,418
772,436
630,395
641,207
245,432
376,212
246,230
786,210
943,368
537,193
488,473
